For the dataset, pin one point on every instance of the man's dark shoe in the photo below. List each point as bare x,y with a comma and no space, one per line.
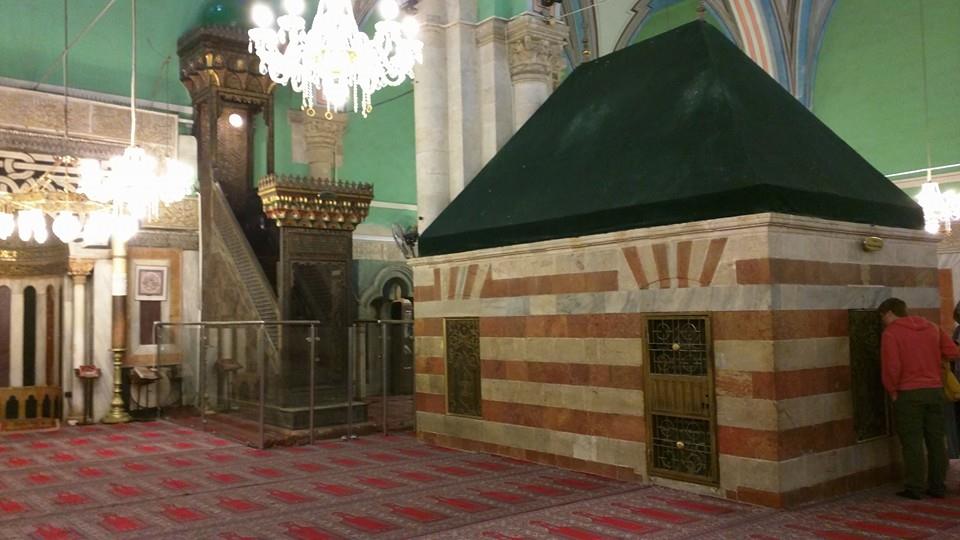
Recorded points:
936,494
907,494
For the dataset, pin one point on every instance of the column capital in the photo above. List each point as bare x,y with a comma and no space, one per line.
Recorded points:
79,269
536,47
320,129
323,135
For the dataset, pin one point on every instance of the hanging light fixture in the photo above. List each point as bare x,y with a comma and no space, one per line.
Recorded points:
51,196
334,57
105,203
940,209
134,184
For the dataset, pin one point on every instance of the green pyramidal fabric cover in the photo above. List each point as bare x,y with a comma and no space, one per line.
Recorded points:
681,127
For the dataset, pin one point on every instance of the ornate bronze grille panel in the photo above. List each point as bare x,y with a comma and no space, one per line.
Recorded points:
683,446
869,400
462,337
680,400
678,346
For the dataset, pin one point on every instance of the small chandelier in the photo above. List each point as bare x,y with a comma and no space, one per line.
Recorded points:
940,209
53,197
99,204
134,183
334,57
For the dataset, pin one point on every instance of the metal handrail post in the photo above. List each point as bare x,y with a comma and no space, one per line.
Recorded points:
385,356
351,359
261,372
202,377
313,378
156,363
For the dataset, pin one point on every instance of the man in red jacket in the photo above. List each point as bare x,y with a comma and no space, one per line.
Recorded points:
913,349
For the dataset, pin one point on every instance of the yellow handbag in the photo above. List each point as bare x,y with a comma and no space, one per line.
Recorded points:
951,386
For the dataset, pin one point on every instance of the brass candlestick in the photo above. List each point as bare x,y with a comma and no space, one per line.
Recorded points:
116,414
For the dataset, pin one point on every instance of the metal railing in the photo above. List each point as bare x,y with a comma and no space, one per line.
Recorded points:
228,384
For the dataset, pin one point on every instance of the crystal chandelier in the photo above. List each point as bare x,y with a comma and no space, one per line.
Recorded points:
134,184
940,209
334,57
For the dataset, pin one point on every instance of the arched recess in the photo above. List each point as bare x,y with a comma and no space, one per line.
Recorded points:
49,337
5,296
29,336
386,278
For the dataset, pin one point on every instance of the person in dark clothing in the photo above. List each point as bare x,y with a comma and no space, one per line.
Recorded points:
912,349
951,409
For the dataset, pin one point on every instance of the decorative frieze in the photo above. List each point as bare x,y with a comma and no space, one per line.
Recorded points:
35,121
181,215
217,57
314,203
25,259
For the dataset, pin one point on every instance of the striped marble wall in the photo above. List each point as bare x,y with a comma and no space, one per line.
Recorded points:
561,345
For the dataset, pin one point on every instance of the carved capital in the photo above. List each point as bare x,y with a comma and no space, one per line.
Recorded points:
79,269
324,137
536,48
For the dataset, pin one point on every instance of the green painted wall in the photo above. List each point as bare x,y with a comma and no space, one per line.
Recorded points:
501,8
870,87
380,148
31,38
285,100
259,148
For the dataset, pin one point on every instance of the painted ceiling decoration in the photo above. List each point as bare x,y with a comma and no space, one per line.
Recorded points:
583,43
643,9
781,36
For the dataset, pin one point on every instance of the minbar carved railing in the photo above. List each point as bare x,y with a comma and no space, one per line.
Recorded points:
315,203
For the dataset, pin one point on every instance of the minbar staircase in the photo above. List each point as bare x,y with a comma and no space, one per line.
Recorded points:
251,274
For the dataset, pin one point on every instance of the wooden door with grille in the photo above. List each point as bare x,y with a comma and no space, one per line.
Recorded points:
680,405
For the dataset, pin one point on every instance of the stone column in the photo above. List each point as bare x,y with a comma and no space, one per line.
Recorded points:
536,49
16,334
324,137
117,414
65,331
496,91
79,269
430,114
463,100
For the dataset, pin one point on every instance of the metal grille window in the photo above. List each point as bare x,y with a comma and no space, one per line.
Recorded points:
679,399
870,418
678,346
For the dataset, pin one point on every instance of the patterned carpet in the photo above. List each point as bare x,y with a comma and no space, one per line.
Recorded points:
158,480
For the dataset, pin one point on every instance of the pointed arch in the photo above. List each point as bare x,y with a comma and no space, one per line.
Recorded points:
29,361
583,31
644,9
